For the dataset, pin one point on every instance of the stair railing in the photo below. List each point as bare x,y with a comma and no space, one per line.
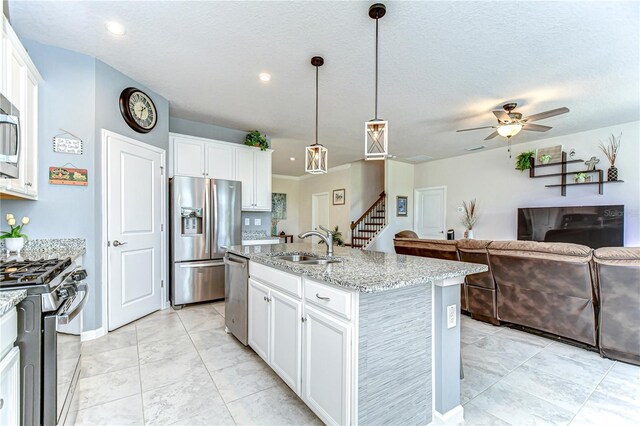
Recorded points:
369,223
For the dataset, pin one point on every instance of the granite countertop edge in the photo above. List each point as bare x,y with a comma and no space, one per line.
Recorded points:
356,282
26,254
10,298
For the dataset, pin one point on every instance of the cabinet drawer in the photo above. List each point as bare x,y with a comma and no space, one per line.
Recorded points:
288,283
330,298
8,331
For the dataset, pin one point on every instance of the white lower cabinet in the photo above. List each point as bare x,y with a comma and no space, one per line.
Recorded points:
309,345
274,331
286,338
258,321
326,366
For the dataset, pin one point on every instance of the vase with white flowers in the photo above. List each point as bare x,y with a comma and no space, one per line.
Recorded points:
469,217
14,238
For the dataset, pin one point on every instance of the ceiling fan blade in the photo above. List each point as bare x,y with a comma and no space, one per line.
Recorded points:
546,114
502,116
491,136
476,128
536,127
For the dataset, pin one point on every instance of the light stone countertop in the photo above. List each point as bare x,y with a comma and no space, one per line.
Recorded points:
9,299
55,248
361,270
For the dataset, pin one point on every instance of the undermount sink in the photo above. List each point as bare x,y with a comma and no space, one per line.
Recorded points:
306,259
297,257
319,261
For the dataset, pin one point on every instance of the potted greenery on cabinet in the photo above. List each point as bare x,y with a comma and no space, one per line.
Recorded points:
254,138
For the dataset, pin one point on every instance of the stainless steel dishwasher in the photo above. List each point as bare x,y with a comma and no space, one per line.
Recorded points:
236,288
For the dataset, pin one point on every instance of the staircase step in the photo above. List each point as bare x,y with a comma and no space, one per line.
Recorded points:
373,224
367,230
361,238
376,217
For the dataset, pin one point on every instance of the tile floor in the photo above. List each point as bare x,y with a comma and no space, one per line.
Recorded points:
180,367
516,378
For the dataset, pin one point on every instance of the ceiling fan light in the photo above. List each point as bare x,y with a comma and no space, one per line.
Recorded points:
509,130
376,140
316,156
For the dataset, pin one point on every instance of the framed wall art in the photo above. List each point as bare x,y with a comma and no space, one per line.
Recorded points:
402,203
338,197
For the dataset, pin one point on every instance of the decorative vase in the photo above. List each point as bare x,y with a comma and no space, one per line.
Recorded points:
612,173
468,234
14,245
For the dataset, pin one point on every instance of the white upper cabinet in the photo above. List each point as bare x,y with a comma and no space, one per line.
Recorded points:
188,157
19,81
199,157
220,162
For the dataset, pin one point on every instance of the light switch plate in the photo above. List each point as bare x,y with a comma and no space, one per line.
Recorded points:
257,222
247,221
451,316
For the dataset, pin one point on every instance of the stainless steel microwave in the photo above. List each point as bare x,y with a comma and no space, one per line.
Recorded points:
9,139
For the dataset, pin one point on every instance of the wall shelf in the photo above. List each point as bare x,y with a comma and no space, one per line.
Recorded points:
564,173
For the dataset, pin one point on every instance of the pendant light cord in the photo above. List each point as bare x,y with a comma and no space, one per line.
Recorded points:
316,105
376,102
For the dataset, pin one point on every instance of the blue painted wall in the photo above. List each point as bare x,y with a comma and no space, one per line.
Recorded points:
79,94
204,130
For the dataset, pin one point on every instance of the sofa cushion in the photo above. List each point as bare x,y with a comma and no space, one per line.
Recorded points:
551,251
438,249
629,256
473,245
406,234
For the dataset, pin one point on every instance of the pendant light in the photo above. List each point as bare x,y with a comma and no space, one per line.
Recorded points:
376,130
316,154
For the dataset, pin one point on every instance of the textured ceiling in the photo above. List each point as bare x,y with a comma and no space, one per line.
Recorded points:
443,65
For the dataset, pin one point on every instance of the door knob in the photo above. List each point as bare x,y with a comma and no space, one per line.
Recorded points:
117,243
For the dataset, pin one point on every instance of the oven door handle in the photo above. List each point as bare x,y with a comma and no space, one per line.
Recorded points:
67,317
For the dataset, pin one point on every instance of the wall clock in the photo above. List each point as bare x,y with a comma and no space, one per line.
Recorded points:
138,110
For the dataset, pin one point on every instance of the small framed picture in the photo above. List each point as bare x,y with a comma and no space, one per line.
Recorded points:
338,197
401,205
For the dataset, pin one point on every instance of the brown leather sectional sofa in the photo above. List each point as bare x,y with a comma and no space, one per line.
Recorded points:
564,289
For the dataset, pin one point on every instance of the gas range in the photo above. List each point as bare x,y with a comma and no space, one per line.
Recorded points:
54,279
49,357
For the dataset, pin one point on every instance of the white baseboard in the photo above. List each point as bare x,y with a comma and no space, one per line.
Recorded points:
93,334
454,416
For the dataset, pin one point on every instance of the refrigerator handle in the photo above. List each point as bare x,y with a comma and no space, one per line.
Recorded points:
215,217
207,220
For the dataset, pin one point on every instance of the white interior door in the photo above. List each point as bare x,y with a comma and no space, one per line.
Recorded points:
135,201
319,213
430,213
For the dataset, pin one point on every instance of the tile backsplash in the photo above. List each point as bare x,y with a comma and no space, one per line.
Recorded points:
265,222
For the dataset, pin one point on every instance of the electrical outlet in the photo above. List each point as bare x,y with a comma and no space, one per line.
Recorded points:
451,316
257,222
247,221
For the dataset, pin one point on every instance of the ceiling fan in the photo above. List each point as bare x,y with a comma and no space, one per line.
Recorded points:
510,122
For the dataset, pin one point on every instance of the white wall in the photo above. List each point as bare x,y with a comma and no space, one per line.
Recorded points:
490,177
367,182
399,179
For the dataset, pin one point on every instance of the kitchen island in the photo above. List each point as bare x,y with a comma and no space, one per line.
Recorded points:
364,339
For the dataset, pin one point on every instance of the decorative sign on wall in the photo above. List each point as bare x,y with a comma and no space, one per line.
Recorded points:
68,176
67,145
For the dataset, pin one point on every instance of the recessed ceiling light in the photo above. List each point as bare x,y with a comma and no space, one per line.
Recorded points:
116,28
265,76
292,158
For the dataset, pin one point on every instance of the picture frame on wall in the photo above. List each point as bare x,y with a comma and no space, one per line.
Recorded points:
402,205
338,197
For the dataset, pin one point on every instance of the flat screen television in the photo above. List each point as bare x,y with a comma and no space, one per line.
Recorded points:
593,226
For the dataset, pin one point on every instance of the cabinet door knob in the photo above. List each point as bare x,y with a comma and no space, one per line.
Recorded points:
28,184
265,298
303,319
1,403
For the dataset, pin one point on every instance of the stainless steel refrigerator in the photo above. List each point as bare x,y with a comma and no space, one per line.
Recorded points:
205,218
